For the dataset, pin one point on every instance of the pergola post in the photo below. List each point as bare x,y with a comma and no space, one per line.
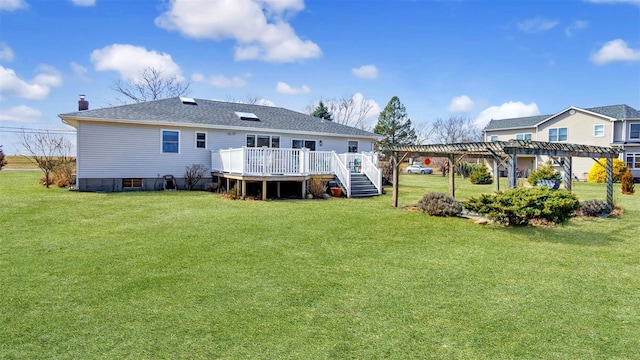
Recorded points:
512,162
452,177
609,169
396,176
496,174
567,167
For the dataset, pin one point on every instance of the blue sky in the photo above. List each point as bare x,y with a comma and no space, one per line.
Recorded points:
473,58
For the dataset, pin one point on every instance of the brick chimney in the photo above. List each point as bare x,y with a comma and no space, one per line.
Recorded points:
83,104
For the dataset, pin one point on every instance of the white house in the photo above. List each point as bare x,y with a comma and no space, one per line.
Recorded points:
134,146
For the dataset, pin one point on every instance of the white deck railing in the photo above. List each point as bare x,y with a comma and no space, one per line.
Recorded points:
287,162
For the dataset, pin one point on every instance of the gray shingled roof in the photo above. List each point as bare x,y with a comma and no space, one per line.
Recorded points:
219,114
620,112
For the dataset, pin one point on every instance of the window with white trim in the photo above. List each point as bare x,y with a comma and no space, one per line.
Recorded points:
558,134
171,141
352,146
263,141
201,140
633,161
494,138
598,130
524,136
634,131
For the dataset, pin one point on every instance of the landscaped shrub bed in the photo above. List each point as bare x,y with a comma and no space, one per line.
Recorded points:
520,206
439,204
594,208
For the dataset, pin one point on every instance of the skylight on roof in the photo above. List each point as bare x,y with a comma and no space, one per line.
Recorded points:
247,116
188,100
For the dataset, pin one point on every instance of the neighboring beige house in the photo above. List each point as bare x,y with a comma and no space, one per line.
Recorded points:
615,126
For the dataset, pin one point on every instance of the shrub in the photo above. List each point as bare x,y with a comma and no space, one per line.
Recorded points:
233,193
627,183
439,204
3,162
62,174
317,188
386,168
543,172
594,208
520,206
598,174
193,174
481,176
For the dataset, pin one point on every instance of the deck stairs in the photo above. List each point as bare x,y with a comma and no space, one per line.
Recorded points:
361,186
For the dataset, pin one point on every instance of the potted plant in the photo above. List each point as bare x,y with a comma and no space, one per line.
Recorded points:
546,175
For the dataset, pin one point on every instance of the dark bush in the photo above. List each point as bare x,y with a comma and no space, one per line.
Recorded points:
481,176
519,206
3,162
594,208
543,172
438,204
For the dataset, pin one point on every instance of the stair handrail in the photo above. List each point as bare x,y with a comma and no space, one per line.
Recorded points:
371,170
342,173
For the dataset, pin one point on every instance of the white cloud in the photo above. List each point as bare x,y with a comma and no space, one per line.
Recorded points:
11,5
79,70
265,102
131,60
221,81
21,114
84,2
36,89
577,25
284,88
615,50
6,53
633,2
460,104
537,25
366,72
257,26
511,109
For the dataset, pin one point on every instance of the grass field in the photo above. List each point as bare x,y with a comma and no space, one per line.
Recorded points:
18,162
152,275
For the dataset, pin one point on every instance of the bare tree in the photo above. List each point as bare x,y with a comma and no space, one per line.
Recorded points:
251,99
46,151
193,174
456,129
424,133
151,84
350,110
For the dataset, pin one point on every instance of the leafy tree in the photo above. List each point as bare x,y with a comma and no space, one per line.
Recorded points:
394,124
3,162
322,112
151,84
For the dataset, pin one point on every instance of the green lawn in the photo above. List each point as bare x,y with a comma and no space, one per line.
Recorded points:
151,275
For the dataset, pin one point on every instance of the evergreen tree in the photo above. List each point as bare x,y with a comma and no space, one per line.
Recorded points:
395,125
322,112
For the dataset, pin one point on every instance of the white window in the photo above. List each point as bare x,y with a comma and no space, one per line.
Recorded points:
558,134
171,141
634,131
494,138
352,146
263,141
633,161
598,130
525,136
201,140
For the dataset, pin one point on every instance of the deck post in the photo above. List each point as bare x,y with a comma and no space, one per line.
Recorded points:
244,189
304,189
264,190
278,189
